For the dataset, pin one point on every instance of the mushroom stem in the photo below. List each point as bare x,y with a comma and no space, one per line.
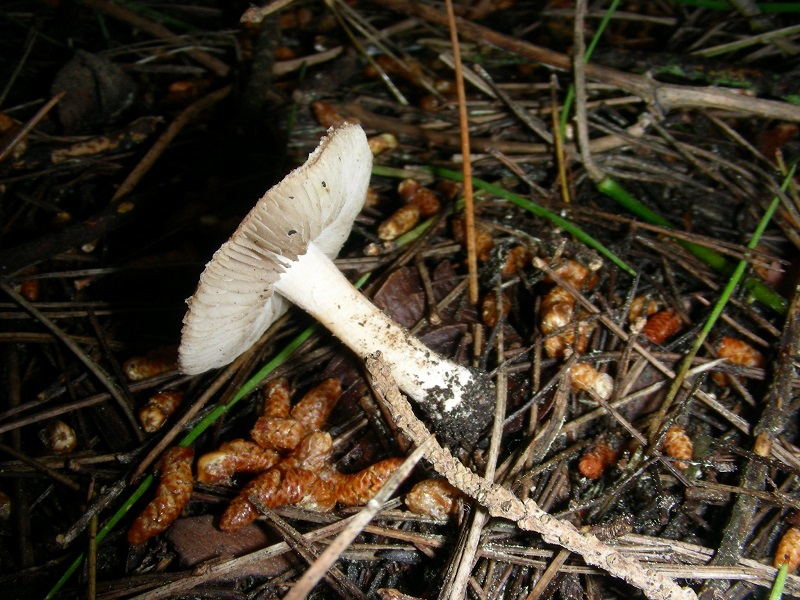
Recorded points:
317,286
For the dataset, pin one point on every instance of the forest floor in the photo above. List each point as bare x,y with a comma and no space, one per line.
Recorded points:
623,267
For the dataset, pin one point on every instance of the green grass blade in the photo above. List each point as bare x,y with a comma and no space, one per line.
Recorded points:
190,437
539,211
719,263
733,282
780,582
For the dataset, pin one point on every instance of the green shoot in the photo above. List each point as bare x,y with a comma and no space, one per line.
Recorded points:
190,437
539,211
725,296
717,262
776,593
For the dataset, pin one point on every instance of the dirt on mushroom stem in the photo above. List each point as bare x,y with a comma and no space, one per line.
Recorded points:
458,400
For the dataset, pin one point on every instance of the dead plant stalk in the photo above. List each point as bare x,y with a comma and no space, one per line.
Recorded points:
500,502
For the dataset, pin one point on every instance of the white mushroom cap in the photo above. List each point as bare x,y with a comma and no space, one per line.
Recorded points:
235,301
281,254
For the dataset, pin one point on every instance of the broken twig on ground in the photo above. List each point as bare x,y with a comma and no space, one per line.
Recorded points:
502,503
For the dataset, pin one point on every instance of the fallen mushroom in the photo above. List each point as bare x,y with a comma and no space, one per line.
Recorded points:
282,253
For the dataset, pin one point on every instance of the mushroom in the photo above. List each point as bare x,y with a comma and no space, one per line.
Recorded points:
282,253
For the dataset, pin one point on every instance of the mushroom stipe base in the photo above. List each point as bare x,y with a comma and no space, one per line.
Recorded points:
461,427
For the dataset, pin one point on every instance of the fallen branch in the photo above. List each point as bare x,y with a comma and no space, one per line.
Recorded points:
664,96
500,502
158,31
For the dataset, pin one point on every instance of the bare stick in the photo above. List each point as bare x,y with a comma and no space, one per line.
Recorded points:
26,129
186,117
356,525
212,63
580,95
663,95
501,502
79,353
469,206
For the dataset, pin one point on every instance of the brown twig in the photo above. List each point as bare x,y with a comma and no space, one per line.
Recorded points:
553,569
532,122
109,494
67,408
31,123
126,15
483,144
667,97
55,475
471,547
582,122
502,503
188,115
79,353
256,14
771,424
334,576
356,524
466,166
558,139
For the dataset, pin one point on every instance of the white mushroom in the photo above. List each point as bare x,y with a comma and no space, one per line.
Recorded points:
282,253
